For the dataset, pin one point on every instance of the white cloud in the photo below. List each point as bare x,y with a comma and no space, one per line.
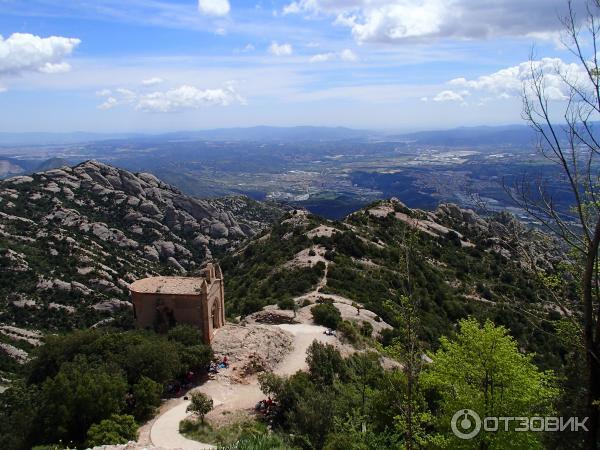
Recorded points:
248,48
280,49
424,99
55,68
507,83
448,96
110,102
127,94
104,93
153,81
346,55
214,7
322,57
548,36
22,52
2,89
402,20
292,8
173,100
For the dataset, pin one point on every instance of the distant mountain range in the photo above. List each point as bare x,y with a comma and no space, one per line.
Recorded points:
260,133
517,135
483,135
36,138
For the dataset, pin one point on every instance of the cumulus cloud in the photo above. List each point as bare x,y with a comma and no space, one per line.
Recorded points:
294,8
448,96
214,7
507,83
173,100
323,57
280,49
22,52
109,103
153,81
402,20
55,68
346,55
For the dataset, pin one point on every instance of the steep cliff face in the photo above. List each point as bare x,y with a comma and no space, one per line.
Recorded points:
72,239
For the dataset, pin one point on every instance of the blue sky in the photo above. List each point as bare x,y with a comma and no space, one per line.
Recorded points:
158,65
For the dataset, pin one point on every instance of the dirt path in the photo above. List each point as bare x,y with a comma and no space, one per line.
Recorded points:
227,396
323,281
304,335
165,431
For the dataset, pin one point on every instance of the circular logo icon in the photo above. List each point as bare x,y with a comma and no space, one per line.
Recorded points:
466,424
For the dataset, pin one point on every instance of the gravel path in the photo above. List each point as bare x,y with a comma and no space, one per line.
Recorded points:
165,430
304,335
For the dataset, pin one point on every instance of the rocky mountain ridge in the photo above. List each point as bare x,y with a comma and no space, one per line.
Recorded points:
461,264
72,239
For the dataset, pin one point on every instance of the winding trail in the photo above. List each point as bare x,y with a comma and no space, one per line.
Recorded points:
164,432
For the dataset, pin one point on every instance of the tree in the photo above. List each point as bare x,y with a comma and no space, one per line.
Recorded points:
483,370
286,303
327,315
324,363
185,334
146,395
80,395
119,429
195,357
201,404
574,149
155,358
349,433
18,411
407,347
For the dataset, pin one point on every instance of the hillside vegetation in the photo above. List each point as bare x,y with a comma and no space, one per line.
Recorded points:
461,265
72,239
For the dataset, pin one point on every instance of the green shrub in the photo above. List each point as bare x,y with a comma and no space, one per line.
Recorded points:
119,429
348,331
201,404
327,315
286,303
258,442
366,329
185,334
146,394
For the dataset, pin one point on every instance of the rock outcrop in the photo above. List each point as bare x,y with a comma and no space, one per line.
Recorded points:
73,238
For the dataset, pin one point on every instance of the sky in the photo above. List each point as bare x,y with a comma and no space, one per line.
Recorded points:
158,65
